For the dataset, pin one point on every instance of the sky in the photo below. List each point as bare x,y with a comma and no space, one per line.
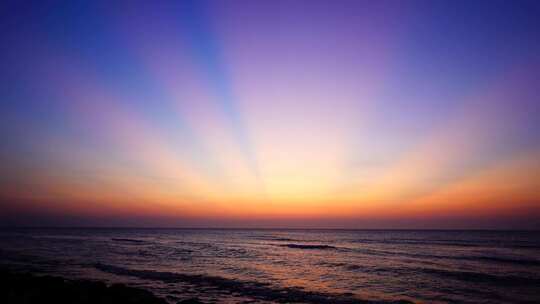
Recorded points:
298,114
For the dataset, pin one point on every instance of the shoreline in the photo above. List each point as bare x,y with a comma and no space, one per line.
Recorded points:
23,287
29,287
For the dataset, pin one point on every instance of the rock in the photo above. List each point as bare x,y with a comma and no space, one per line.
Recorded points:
29,289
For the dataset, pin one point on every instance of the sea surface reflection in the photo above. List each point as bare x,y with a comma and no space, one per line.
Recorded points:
276,266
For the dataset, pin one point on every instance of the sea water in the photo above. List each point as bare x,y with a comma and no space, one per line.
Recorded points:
304,266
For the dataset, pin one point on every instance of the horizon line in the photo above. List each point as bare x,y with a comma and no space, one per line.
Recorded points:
268,228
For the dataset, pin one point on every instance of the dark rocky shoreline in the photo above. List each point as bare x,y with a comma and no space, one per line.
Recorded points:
26,288
23,287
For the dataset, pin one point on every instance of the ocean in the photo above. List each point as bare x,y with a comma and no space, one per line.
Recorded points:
297,266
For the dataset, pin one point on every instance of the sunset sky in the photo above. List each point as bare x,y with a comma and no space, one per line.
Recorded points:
339,114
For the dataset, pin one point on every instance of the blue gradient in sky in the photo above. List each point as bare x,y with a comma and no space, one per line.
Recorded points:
278,110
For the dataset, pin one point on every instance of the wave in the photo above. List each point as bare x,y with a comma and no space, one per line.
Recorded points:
449,243
308,246
12,258
282,239
478,277
279,239
515,261
419,242
127,240
465,276
256,290
523,262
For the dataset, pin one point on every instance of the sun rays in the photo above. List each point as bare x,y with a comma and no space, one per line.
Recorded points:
306,112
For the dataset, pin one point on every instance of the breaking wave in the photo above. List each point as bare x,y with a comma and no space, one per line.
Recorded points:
259,291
